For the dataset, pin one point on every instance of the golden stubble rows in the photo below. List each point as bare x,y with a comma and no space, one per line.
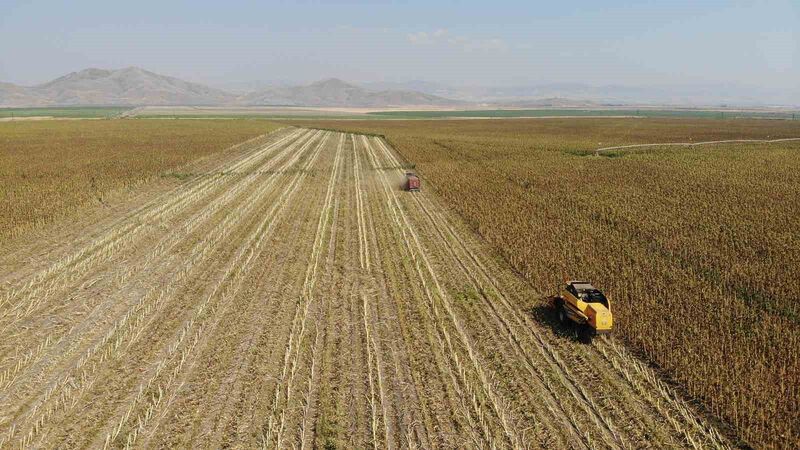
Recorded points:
294,296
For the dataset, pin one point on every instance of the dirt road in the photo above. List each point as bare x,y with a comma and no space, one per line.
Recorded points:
293,296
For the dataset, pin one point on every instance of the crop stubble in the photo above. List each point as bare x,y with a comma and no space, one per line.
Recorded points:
299,298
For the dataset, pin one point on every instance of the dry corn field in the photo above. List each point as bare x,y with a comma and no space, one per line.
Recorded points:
49,170
289,295
698,247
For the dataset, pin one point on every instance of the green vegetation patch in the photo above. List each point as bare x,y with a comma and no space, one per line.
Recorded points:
65,112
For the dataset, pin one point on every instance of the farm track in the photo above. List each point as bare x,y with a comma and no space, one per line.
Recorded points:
599,151
293,296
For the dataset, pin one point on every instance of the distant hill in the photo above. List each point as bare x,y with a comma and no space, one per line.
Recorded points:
335,92
13,95
580,94
133,86
129,86
426,87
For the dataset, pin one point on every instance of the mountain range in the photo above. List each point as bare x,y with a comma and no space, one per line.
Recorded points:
334,92
133,86
580,94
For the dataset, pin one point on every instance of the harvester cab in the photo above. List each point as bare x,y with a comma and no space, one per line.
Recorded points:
412,182
583,304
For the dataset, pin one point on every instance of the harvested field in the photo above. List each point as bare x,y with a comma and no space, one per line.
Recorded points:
50,169
698,247
291,295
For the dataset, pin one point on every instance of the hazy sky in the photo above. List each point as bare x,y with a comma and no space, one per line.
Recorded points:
459,42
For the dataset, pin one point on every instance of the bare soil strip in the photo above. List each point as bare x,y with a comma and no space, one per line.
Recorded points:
294,296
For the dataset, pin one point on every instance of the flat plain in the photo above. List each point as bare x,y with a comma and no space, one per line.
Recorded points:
698,246
288,293
62,112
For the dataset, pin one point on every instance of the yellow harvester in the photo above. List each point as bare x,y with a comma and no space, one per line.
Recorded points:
582,303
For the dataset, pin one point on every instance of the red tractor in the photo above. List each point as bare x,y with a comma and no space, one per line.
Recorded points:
412,182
